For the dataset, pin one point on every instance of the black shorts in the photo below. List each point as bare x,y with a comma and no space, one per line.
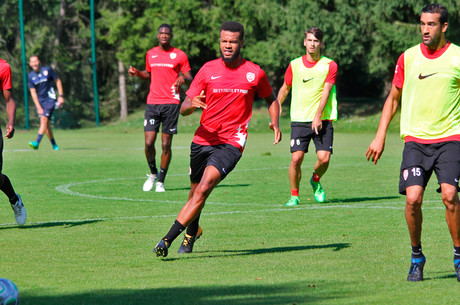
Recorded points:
165,114
224,157
48,108
420,160
301,134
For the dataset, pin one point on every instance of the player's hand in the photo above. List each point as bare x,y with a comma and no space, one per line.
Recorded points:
199,101
39,110
375,150
317,125
277,131
9,131
60,101
132,71
179,81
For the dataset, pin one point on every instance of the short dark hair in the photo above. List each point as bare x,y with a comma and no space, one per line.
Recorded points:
233,26
435,8
316,32
165,25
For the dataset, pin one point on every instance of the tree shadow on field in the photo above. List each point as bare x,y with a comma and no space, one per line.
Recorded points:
228,253
50,224
258,293
361,199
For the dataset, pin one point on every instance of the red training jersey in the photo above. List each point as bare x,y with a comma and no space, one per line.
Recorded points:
331,76
5,75
164,67
229,98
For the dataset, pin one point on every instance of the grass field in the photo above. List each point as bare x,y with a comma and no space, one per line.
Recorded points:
91,229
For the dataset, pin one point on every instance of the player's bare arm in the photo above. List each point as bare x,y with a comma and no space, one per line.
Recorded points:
33,93
190,104
282,94
60,100
274,111
10,112
135,72
182,78
377,145
317,124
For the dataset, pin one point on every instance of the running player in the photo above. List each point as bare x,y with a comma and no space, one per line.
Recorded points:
167,68
5,183
427,78
224,89
41,85
313,108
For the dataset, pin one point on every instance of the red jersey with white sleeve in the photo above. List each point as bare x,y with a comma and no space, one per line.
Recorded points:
229,99
330,78
5,75
164,67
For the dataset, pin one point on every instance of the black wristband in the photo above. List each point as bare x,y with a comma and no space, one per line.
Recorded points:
61,95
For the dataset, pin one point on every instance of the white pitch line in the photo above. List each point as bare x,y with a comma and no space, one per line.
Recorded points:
279,209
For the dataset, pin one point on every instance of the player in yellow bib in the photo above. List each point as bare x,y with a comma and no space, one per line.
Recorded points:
312,78
427,80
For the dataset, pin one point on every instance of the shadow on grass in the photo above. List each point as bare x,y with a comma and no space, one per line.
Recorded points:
360,199
51,224
218,186
227,253
299,292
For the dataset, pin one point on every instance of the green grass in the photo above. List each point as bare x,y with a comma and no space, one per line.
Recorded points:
91,229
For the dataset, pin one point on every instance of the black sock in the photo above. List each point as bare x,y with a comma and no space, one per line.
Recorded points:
7,188
162,175
153,168
175,231
192,228
456,253
417,251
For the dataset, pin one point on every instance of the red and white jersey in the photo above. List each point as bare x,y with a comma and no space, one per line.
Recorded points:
229,98
164,68
5,75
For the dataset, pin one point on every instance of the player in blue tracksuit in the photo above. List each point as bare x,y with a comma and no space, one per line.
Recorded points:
41,85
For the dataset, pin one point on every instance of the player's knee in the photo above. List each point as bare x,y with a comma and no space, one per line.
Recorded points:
450,199
166,147
413,201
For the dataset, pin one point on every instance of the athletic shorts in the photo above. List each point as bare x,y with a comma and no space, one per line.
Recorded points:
165,114
48,108
224,157
301,134
420,160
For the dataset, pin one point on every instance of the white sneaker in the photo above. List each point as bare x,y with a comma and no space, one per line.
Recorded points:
160,187
148,185
19,211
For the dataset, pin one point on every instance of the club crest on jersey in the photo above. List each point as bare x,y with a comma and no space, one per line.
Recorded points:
405,174
173,55
250,76
45,72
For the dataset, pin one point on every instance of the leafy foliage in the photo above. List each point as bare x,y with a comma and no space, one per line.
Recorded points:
365,38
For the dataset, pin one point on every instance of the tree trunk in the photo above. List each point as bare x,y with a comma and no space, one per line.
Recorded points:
122,85
59,28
